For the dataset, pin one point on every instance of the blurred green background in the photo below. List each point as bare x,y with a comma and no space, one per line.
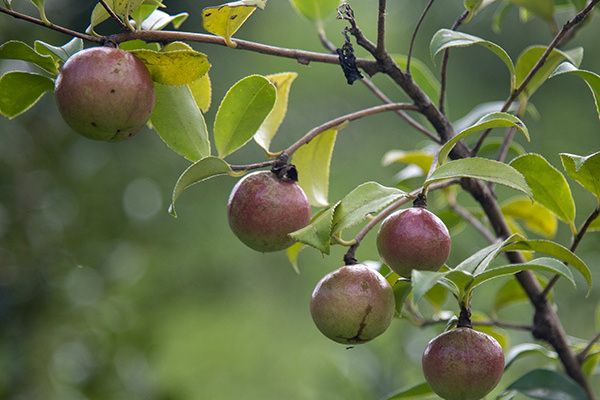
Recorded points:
103,295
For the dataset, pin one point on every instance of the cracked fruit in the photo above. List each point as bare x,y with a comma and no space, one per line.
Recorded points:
463,364
105,93
413,238
353,304
264,209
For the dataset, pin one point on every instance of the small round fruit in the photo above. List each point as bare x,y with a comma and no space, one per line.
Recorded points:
353,304
463,364
413,239
264,209
105,93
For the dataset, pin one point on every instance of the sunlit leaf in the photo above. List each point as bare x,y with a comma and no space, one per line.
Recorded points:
226,19
62,53
177,67
420,158
202,92
293,252
19,91
536,217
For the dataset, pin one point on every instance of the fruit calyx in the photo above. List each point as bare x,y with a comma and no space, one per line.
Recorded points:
420,201
464,318
284,170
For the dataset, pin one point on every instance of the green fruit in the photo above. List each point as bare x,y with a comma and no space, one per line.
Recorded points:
413,239
353,304
105,93
264,209
463,364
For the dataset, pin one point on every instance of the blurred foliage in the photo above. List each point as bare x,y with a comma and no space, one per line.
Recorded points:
103,295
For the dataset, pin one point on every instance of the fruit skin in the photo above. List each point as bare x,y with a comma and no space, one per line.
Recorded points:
463,364
353,304
105,93
264,209
413,239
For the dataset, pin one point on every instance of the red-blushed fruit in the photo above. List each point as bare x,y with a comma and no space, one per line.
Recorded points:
463,364
264,209
353,304
105,93
413,239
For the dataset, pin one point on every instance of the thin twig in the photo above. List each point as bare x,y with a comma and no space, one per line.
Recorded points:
52,26
249,167
381,27
576,240
415,32
445,59
114,16
581,356
499,324
471,219
540,63
346,118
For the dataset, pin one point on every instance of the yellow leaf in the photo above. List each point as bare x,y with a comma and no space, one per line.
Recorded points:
178,67
226,19
537,218
202,92
420,158
283,83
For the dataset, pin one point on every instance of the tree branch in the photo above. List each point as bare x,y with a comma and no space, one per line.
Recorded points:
414,35
50,25
475,223
381,27
581,356
114,16
444,68
492,322
570,24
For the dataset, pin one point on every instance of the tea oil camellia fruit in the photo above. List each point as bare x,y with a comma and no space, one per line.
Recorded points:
463,364
264,209
105,93
413,238
353,304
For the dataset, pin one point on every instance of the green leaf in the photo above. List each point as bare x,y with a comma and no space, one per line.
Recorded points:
547,385
317,234
481,168
292,253
548,185
420,158
529,58
542,8
177,67
497,333
19,91
595,225
401,288
481,259
584,170
526,349
39,4
423,281
512,292
16,50
436,296
315,10
123,9
138,45
268,129
179,122
198,172
539,264
62,53
475,6
494,120
202,92
226,19
446,38
555,250
480,111
590,78
159,20
536,217
421,74
413,392
242,112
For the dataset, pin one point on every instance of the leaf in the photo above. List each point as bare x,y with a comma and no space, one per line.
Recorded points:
198,172
480,111
177,67
315,10
555,250
547,385
317,234
497,333
529,58
542,8
138,45
446,38
401,288
548,185
436,296
159,20
526,349
123,9
202,92
19,91
481,168
539,264
595,225
242,112
475,6
413,392
179,122
537,218
62,53
226,19
423,281
479,261
313,162
584,170
512,292
494,120
39,4
268,129
420,158
292,253
421,74
16,50
590,78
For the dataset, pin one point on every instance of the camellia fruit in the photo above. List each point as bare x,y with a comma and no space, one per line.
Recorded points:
353,304
463,364
263,209
105,93
413,239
